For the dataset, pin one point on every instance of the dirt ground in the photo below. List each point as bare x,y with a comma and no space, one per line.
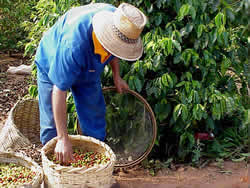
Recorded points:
214,175
227,175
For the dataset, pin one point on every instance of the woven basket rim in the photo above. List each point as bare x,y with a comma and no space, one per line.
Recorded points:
14,108
83,169
29,163
21,126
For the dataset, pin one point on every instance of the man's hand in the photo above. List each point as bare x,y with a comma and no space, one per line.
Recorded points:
63,150
120,84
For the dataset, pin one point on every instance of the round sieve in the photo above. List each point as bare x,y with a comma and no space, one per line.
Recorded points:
131,126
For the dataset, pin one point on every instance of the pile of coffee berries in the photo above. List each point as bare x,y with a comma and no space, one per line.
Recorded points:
83,159
12,175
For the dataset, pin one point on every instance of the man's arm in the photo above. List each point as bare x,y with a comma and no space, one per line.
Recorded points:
120,84
63,149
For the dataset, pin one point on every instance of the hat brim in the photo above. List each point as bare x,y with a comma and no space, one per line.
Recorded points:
102,25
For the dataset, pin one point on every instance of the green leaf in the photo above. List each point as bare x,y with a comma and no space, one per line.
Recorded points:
162,111
187,140
177,45
239,160
189,27
158,19
157,142
222,105
170,81
187,86
151,44
184,113
213,36
183,138
198,111
184,10
245,154
45,19
196,98
170,47
150,9
164,80
177,111
165,45
187,56
220,20
210,123
225,37
188,125
177,35
224,67
192,12
196,84
180,84
138,84
178,58
75,125
131,82
188,76
33,91
200,30
216,111
70,108
157,62
205,40
190,97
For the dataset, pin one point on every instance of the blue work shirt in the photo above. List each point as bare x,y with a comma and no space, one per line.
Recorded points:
66,55
66,50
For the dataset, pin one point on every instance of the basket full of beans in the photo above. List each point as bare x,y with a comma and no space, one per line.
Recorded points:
92,166
18,170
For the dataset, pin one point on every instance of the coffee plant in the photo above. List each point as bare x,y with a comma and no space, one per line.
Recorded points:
194,71
12,15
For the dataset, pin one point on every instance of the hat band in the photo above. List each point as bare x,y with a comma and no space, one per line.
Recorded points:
122,36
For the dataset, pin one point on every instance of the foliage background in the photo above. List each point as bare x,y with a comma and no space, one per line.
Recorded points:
194,72
12,15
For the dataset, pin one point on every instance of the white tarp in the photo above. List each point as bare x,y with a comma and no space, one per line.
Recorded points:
22,69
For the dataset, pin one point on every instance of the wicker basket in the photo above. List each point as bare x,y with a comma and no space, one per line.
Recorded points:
98,176
27,162
22,127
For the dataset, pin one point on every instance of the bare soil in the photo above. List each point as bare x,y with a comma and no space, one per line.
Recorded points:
214,175
12,87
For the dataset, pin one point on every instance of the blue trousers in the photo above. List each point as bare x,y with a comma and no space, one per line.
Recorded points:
89,103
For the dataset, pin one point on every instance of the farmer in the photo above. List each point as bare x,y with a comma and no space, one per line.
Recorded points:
72,55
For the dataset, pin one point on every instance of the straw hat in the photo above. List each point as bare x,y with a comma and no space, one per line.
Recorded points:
119,31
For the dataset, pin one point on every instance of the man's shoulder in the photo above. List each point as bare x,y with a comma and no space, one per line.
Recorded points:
82,15
94,7
79,22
